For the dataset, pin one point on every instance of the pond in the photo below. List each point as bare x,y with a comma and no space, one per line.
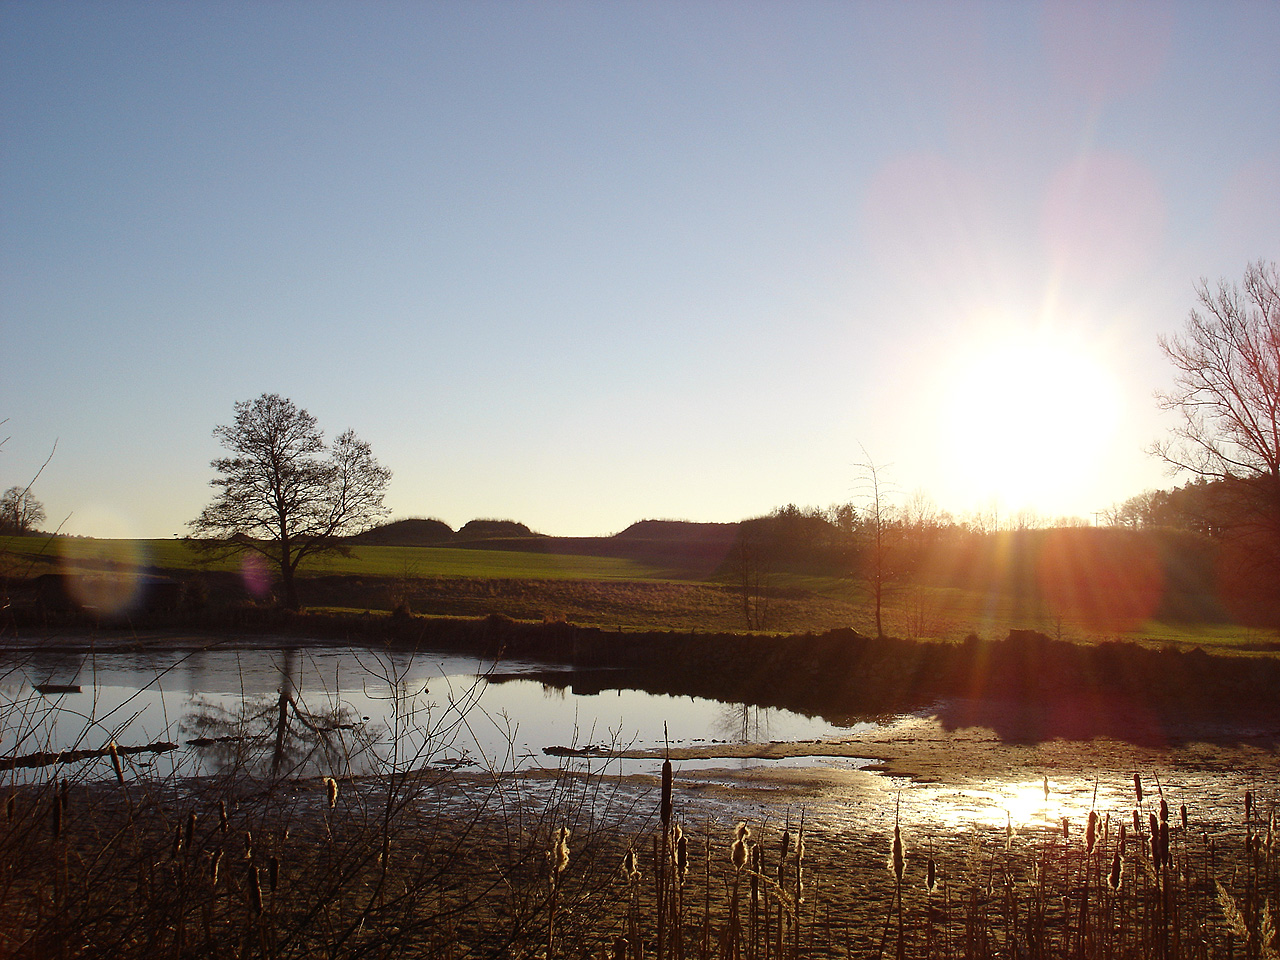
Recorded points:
342,711
349,710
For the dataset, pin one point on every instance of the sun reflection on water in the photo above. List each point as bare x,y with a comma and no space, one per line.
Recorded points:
1018,804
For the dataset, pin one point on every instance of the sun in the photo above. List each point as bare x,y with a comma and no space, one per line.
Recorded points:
1026,418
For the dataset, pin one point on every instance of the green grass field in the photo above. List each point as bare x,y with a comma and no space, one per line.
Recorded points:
616,592
364,561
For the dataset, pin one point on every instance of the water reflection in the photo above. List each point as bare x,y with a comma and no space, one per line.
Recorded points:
279,736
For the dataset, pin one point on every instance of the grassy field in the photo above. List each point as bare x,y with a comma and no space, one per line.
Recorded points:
615,592
364,561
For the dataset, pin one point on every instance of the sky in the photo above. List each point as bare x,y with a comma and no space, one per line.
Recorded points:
582,264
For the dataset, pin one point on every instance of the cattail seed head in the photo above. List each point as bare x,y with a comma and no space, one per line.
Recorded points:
631,867
786,842
738,852
664,809
1248,805
897,855
1155,841
213,866
1137,788
1164,842
682,855
1046,788
1182,812
1122,839
1137,824
331,786
800,848
1091,832
560,852
1117,872
1164,810
222,815
248,845
931,876
177,841
116,765
1066,829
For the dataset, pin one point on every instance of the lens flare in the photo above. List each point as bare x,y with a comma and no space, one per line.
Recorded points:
255,575
103,576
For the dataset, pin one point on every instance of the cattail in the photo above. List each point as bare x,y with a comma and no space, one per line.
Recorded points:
1066,829
931,877
1122,839
631,867
897,855
1008,831
560,853
786,842
1046,788
1137,788
273,872
1117,872
1155,841
1137,824
1164,842
800,844
213,867
664,808
1248,805
255,889
222,815
738,853
177,841
682,854
248,845
115,762
1182,811
191,829
331,785
1091,833
1164,810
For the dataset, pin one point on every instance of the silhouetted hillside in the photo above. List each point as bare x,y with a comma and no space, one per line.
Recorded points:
492,530
679,530
407,533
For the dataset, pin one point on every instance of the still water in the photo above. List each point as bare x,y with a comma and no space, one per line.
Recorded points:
350,710
341,711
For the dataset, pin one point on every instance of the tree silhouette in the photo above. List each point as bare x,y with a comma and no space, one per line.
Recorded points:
1226,395
283,493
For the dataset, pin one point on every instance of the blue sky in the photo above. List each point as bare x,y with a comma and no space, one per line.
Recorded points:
580,264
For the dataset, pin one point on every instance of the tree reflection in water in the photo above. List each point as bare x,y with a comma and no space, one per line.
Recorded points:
742,723
280,736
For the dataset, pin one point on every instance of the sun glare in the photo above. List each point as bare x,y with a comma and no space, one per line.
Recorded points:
1028,417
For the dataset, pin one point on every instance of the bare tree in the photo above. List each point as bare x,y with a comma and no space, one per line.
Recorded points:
283,493
751,566
1226,395
20,512
877,515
